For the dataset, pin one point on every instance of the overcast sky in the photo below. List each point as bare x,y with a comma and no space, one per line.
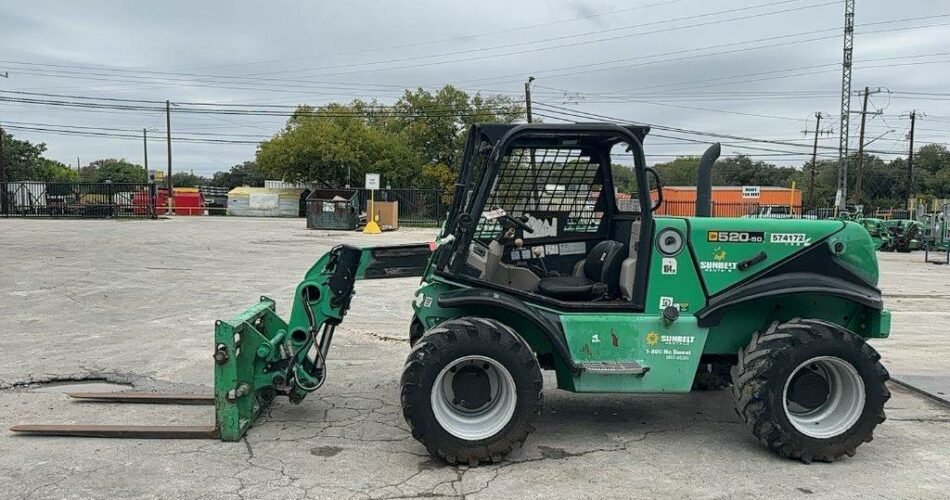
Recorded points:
757,69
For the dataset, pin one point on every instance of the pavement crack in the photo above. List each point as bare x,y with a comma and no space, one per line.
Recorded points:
920,420
250,451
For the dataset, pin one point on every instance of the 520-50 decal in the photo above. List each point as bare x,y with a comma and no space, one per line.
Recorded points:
735,236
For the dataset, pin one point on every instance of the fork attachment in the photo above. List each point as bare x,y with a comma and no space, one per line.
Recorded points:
259,356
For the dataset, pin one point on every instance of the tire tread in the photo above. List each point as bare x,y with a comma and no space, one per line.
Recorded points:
750,390
442,337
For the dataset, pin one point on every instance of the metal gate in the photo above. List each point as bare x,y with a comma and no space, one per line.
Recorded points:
417,207
77,200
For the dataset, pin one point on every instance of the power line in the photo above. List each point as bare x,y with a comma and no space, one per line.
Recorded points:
706,83
587,115
584,67
478,50
455,38
388,111
577,35
131,136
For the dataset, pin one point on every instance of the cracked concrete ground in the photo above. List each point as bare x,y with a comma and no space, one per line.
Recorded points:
135,302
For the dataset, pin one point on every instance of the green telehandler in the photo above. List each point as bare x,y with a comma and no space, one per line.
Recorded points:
542,266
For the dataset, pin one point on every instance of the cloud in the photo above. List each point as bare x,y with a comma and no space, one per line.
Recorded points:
288,52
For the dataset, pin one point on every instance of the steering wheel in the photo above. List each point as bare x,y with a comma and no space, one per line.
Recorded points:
520,222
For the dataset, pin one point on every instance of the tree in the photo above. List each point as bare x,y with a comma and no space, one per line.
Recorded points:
54,171
114,170
826,183
242,174
932,171
20,159
337,144
625,180
331,143
187,179
682,171
743,171
435,124
932,158
439,176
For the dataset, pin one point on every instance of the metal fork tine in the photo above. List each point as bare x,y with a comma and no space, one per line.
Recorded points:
166,398
122,431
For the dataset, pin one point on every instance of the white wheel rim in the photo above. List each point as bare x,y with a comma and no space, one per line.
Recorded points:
843,406
478,423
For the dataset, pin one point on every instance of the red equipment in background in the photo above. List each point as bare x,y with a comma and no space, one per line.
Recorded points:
185,201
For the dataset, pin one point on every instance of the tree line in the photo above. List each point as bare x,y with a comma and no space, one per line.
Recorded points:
418,142
883,182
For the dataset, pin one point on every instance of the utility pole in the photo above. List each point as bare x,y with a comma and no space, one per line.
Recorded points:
527,97
814,157
3,173
168,142
535,193
864,113
845,103
145,149
910,159
3,178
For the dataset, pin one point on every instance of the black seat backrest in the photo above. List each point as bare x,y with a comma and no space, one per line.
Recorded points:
603,264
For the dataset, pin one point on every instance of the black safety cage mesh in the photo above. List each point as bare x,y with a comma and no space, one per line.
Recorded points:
546,181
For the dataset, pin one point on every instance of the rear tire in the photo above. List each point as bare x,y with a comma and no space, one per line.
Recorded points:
810,390
490,365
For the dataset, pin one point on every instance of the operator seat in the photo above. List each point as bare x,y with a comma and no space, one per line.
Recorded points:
601,278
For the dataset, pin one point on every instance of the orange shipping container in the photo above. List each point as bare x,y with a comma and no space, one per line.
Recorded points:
730,201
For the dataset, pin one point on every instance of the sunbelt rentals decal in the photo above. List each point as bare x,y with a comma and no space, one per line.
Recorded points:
719,264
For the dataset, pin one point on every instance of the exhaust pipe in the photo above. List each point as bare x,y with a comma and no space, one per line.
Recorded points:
704,181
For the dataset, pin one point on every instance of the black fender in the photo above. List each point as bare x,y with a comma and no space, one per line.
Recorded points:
789,284
547,324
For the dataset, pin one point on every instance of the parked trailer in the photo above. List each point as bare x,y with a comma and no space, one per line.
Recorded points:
265,202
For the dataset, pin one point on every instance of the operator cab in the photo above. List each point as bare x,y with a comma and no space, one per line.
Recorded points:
538,214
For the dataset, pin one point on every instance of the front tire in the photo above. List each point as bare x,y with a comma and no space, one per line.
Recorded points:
471,390
810,390
416,330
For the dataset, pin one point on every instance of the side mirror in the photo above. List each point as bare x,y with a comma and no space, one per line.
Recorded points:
659,188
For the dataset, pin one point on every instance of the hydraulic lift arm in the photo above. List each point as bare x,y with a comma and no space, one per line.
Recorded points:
259,356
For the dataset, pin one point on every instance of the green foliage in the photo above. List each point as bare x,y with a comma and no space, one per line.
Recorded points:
883,182
826,182
743,171
325,147
114,170
435,123
23,161
932,171
20,159
679,172
335,143
242,174
187,179
439,176
54,171
625,180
